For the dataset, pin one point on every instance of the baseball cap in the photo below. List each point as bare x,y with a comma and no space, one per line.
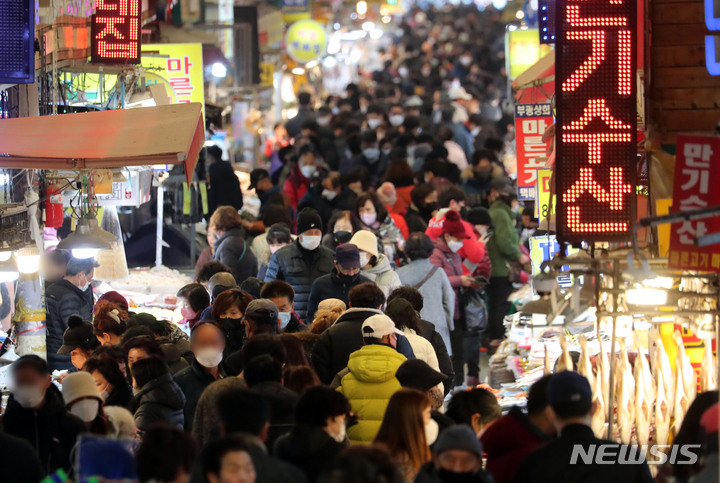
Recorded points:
502,185
347,256
568,387
460,437
378,326
459,92
257,175
80,333
262,311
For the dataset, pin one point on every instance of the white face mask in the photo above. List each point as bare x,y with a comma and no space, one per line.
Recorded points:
482,229
431,432
104,394
86,285
340,435
372,154
29,396
374,123
323,121
475,132
368,218
307,170
284,319
363,109
209,357
310,242
364,259
274,248
329,194
87,409
455,245
397,120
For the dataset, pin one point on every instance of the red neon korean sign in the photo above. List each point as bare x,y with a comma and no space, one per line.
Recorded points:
116,32
596,119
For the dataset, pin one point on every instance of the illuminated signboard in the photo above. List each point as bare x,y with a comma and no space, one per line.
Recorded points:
17,42
116,32
596,119
546,21
531,122
712,46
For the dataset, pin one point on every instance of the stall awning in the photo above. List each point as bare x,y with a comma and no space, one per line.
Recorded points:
105,139
537,83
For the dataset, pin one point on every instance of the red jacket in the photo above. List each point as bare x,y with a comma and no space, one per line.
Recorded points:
296,186
472,249
507,442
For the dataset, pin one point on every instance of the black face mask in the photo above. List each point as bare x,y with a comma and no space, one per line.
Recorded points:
483,175
230,323
452,477
348,279
427,209
342,236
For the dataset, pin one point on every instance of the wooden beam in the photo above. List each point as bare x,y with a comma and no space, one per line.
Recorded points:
688,120
684,34
676,13
669,77
705,98
679,56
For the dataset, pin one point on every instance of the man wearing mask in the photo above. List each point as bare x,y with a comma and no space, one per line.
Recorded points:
397,116
36,413
337,285
71,295
303,261
296,185
456,457
283,296
305,113
477,179
372,159
207,341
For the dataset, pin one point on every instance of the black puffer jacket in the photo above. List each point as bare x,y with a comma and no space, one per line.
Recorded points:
309,448
51,430
62,300
300,268
160,400
333,348
232,250
330,287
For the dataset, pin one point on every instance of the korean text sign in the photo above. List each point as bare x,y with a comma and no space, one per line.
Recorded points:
596,119
695,187
179,67
115,31
531,121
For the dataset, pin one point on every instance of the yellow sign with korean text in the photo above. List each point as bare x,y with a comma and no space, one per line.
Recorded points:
179,67
543,208
523,49
305,41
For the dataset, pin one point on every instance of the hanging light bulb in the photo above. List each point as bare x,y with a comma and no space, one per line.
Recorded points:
83,242
28,260
5,252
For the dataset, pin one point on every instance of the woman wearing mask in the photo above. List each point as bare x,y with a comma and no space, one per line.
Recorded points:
297,183
82,399
375,218
229,310
109,322
79,341
445,256
408,430
341,228
158,398
207,341
319,433
110,382
374,265
230,246
278,236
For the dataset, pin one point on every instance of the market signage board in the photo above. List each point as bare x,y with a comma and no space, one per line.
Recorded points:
596,120
543,206
17,42
695,187
115,31
179,67
543,249
531,121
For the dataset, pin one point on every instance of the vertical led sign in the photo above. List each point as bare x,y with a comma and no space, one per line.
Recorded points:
116,32
596,119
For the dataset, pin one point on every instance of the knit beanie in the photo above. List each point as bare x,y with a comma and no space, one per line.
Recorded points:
79,385
308,219
452,225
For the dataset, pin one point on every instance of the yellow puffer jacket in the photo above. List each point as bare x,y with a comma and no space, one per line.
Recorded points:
369,385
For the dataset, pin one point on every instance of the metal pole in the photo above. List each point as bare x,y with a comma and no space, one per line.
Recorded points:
611,391
159,232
